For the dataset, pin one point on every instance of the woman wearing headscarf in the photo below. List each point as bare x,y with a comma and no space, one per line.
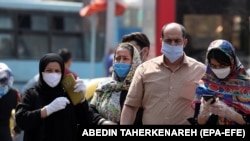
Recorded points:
9,97
46,112
227,82
109,96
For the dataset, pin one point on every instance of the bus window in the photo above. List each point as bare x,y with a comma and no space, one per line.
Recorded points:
39,22
57,23
24,21
72,24
31,46
32,22
73,42
6,46
6,22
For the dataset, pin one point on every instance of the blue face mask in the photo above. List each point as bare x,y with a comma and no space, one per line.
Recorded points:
121,69
172,52
4,90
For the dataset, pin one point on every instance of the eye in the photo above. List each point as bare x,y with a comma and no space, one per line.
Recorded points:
218,66
212,66
169,41
3,80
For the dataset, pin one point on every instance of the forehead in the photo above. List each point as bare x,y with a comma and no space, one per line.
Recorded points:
122,51
51,65
3,74
172,31
214,62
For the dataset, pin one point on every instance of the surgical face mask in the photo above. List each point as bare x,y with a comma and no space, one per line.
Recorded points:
222,73
121,69
4,90
52,79
172,52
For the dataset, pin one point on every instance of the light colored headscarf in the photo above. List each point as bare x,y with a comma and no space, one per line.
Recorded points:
6,74
107,95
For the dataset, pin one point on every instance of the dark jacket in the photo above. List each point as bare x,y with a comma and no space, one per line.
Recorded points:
7,103
59,126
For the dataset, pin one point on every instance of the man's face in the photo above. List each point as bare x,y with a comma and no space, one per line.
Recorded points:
173,36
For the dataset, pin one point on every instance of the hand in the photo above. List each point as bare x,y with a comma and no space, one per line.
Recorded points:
221,109
205,110
103,121
56,105
80,86
108,122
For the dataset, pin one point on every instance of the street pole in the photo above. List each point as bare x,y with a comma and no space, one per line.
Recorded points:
93,21
110,25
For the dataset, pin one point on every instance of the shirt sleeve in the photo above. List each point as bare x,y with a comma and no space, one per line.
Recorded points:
135,93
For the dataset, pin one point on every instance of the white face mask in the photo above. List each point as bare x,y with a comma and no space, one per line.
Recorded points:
172,52
52,79
222,73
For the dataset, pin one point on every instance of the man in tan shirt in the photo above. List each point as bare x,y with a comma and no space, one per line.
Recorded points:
165,86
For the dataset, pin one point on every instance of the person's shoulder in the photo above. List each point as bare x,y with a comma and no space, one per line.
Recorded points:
155,60
68,71
31,93
14,92
196,62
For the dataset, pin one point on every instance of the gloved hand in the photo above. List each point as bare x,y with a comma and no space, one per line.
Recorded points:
221,109
108,122
80,86
56,105
103,121
205,108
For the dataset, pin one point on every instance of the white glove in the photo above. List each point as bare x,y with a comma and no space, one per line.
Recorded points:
80,86
108,122
205,110
56,105
223,110
103,121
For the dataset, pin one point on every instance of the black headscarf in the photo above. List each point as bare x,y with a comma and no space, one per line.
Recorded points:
42,85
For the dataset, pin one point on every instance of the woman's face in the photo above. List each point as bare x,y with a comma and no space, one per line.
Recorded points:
216,65
123,56
53,67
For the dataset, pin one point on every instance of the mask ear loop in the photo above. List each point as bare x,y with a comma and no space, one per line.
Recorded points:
142,53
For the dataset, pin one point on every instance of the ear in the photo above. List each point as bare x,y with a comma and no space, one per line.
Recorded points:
147,51
185,41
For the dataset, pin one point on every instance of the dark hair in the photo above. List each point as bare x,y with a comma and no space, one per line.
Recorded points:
127,46
140,38
65,54
183,30
219,56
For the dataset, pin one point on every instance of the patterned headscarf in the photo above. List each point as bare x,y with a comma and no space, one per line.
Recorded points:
114,84
108,93
234,90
